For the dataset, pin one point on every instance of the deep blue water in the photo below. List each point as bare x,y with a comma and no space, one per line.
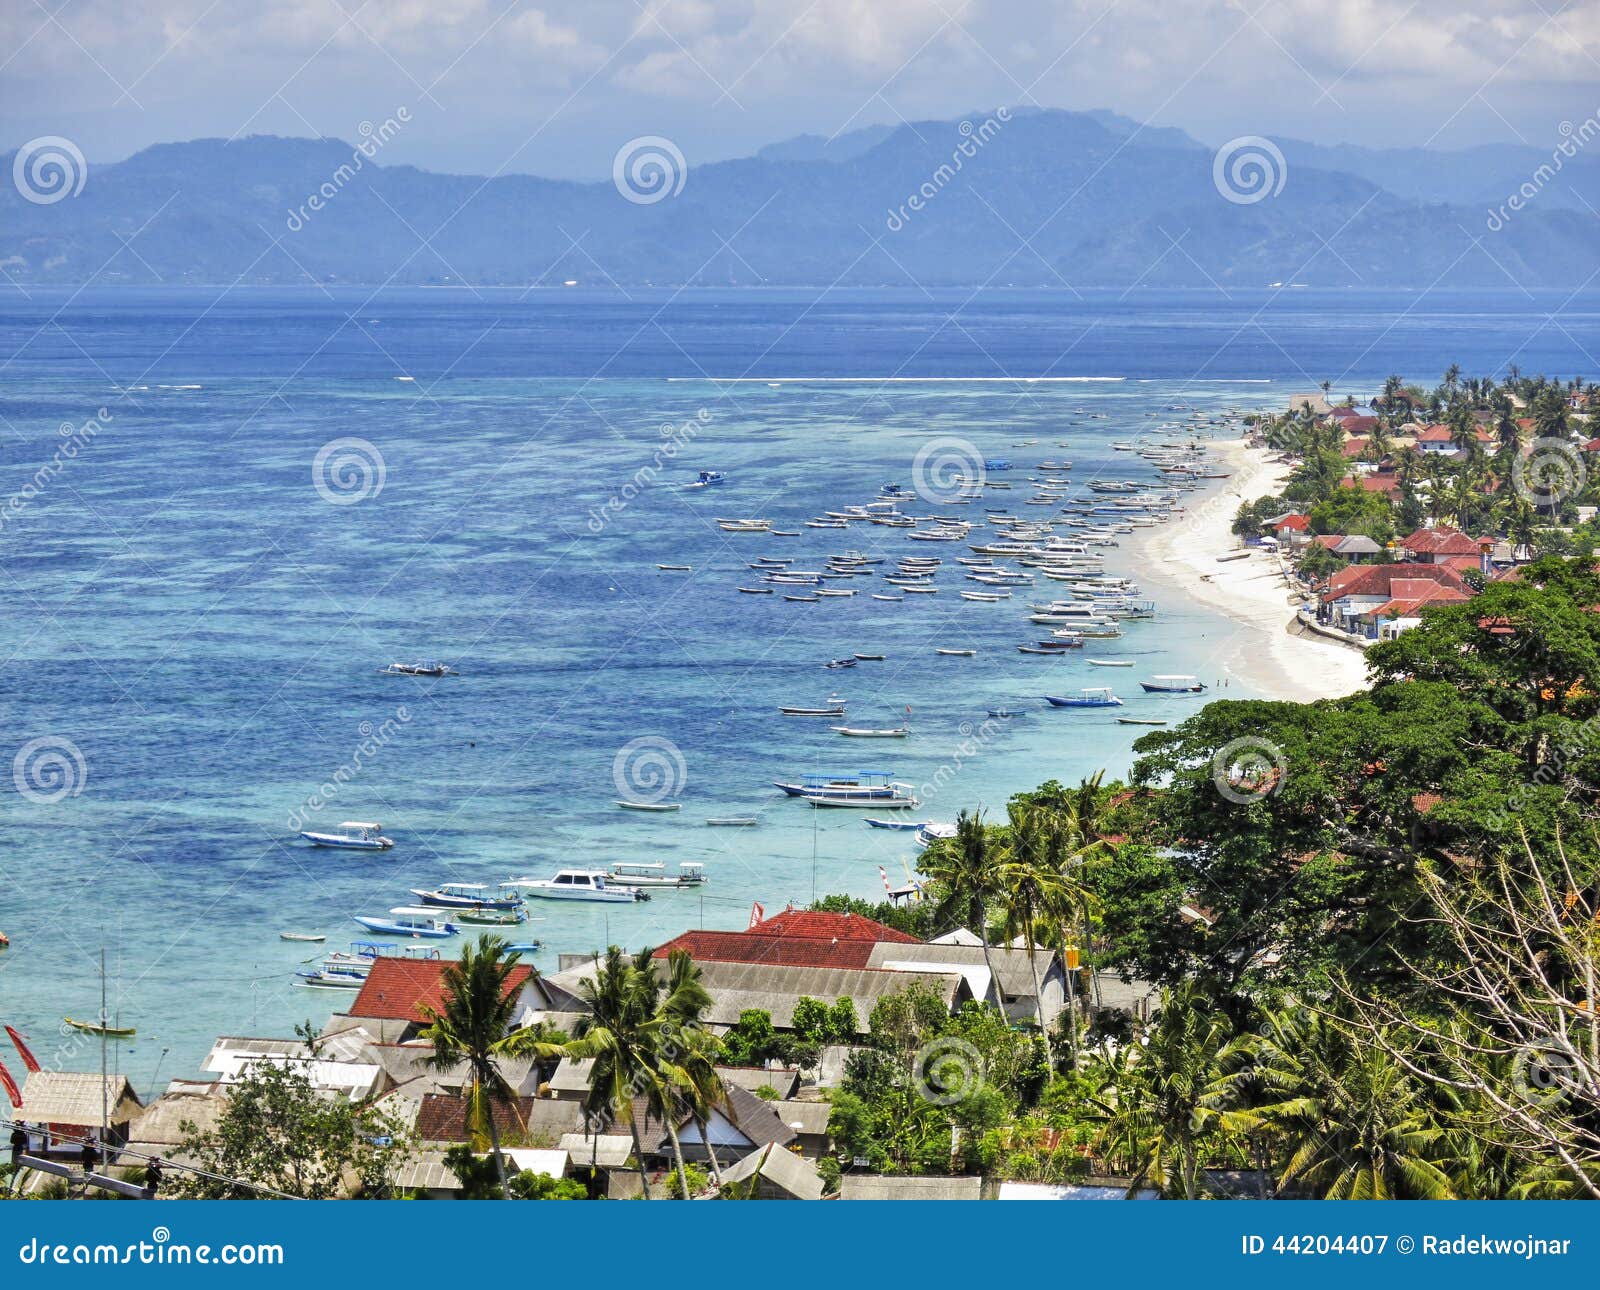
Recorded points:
188,612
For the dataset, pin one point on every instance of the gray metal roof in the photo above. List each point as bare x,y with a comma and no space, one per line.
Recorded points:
1011,966
779,1168
884,1187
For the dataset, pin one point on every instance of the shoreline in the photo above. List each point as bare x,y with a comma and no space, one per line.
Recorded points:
1264,652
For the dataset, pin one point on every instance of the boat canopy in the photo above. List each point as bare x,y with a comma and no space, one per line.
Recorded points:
358,824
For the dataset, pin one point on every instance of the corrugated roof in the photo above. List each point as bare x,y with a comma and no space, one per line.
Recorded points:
780,1169
885,1187
443,1118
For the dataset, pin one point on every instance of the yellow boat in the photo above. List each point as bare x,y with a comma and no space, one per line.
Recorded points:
95,1028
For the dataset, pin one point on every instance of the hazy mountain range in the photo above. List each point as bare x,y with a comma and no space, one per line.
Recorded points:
1044,199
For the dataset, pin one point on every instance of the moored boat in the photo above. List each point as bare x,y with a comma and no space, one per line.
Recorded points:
577,884
409,920
357,836
1172,685
1090,697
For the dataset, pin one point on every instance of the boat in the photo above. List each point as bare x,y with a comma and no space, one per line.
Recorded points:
803,600
675,568
957,653
1092,697
865,732
409,920
1172,685
417,669
577,884
743,526
311,938
357,836
893,599
1006,714
331,977
100,1028
825,591
756,591
1140,721
901,825
832,710
930,833
900,798
840,662
468,895
733,821
870,658
652,873
707,479
1110,662
864,784
649,806
491,917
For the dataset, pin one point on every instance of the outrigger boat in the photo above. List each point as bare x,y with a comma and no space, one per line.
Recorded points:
408,920
418,669
649,806
310,937
831,710
1093,697
1172,685
691,873
865,784
578,884
863,732
98,1028
899,798
357,836
468,895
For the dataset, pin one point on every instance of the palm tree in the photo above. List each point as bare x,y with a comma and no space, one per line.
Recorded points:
1035,891
618,1037
1162,1105
675,1017
1354,1124
966,873
474,1028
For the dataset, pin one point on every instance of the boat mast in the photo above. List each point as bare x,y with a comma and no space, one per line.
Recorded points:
105,1107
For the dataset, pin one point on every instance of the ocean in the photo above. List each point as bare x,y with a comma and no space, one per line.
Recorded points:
226,510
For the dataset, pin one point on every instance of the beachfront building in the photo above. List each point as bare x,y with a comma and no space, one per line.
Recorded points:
1350,597
1447,546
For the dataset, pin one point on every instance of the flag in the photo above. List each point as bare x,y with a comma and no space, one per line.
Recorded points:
10,1084
757,913
28,1059
882,873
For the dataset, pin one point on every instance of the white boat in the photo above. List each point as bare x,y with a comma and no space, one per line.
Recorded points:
957,653
931,832
577,884
733,821
357,836
409,920
900,798
743,526
649,806
1172,685
313,938
1110,662
833,709
864,732
652,873
468,895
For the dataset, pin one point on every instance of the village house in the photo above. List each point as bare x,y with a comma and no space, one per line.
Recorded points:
1349,597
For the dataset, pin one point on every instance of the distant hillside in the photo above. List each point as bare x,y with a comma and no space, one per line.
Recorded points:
1048,199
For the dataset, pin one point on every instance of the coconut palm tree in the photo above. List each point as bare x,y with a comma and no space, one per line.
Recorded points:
1354,1124
1163,1104
965,872
473,1028
1037,894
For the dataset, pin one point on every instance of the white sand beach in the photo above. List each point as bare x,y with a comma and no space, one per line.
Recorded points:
1265,653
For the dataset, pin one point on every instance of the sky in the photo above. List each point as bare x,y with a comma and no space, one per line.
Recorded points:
558,86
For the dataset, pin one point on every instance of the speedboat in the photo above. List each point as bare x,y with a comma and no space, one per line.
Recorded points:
930,833
468,895
409,920
690,873
708,479
357,836
577,884
1093,697
1172,685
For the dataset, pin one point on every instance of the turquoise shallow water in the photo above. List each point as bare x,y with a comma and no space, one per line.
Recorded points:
188,610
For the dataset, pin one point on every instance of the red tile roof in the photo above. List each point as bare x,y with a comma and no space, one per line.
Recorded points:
1329,540
1354,447
1377,482
820,924
1298,523
779,951
1360,425
1442,540
794,938
1379,579
397,989
1435,434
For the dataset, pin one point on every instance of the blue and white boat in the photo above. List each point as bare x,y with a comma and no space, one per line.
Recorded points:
862,783
708,479
1095,697
409,920
468,895
356,836
903,826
